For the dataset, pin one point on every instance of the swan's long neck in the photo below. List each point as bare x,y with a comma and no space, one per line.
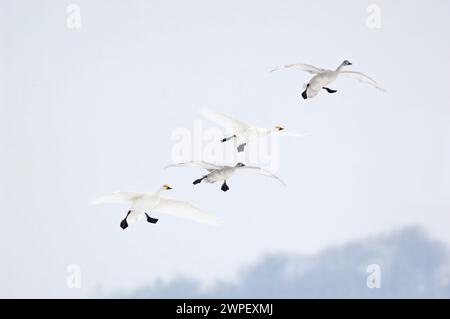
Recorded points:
339,68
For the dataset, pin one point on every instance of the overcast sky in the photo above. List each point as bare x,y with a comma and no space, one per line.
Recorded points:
92,110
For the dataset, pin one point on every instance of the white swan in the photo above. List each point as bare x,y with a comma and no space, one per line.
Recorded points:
243,133
143,203
322,77
219,173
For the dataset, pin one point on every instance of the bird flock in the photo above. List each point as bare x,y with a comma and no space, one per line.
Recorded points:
143,204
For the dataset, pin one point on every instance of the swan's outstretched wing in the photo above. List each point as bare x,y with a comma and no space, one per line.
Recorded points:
117,197
261,171
362,77
299,66
185,210
223,120
200,164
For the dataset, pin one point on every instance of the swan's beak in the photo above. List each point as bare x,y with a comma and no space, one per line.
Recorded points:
349,63
279,128
167,187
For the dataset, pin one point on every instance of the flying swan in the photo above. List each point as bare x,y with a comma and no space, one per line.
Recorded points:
143,203
322,77
219,173
243,133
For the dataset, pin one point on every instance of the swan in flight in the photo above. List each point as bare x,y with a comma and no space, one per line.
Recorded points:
322,77
219,173
144,202
242,133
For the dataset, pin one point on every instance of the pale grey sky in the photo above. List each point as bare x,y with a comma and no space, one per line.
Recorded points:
89,111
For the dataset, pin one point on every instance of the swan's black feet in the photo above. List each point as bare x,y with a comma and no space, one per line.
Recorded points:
304,95
151,220
329,90
224,186
198,181
123,224
241,147
226,139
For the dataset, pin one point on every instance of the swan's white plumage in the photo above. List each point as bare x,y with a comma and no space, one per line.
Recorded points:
117,197
362,78
243,133
261,171
323,77
185,210
291,133
299,66
149,202
223,120
199,164
222,172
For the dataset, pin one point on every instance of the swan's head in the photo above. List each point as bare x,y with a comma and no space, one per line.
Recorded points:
346,62
240,164
279,128
165,187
